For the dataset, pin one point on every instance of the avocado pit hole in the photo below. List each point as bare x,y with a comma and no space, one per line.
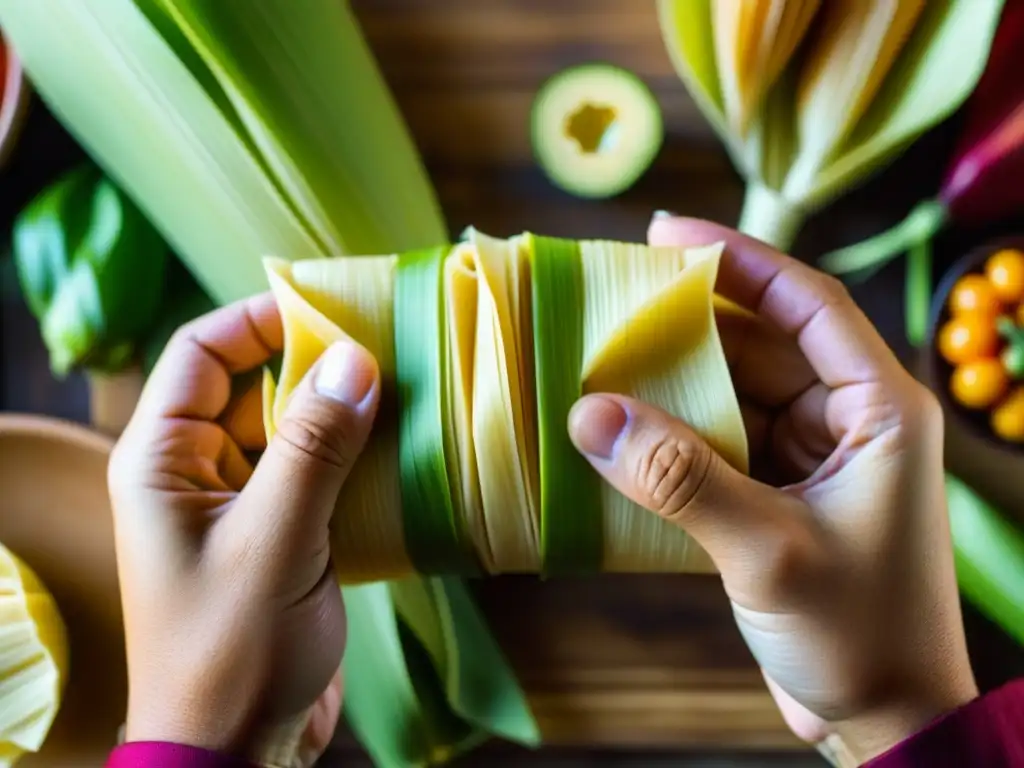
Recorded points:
594,127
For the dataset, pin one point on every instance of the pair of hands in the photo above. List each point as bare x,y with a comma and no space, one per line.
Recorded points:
835,553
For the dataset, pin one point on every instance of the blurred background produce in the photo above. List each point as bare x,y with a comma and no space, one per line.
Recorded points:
868,77
596,129
981,184
616,662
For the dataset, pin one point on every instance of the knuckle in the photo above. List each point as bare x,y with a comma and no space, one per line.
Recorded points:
324,440
671,474
831,289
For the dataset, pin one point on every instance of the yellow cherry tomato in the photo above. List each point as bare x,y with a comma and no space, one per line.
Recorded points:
1005,271
980,383
968,337
1008,419
974,294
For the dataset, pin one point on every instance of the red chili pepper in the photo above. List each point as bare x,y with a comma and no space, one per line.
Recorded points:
984,179
982,184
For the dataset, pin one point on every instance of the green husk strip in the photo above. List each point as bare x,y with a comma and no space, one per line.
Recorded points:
477,679
989,554
398,732
433,531
570,500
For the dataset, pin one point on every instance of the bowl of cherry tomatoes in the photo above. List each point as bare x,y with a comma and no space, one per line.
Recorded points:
977,341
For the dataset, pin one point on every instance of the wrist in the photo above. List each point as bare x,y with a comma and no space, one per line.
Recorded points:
876,731
276,745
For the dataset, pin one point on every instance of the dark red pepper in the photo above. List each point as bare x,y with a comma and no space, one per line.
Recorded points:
984,182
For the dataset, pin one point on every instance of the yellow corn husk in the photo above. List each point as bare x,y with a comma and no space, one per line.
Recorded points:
754,40
856,45
33,659
868,78
643,325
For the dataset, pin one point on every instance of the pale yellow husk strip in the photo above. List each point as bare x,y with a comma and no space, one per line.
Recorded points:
754,40
650,333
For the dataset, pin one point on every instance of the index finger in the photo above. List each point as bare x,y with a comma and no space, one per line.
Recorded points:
192,379
838,340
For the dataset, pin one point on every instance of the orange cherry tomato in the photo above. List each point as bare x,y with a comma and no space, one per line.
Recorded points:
974,294
1019,315
1005,271
1008,419
968,337
980,383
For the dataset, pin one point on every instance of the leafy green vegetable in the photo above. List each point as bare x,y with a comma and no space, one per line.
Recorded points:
91,268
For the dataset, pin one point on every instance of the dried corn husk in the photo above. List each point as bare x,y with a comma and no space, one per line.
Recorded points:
754,40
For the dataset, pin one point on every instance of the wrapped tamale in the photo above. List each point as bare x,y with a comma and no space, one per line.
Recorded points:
483,347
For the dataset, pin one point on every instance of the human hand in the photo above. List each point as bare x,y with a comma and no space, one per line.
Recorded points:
234,623
836,553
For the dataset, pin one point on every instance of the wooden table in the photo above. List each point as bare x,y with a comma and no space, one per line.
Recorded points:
626,670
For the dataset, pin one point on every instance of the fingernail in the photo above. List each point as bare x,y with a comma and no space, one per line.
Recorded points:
597,424
663,215
347,373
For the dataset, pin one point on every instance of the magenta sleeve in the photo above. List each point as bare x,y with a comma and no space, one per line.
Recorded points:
988,731
152,754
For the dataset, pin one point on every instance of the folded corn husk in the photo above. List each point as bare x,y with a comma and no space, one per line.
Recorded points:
866,80
33,659
483,349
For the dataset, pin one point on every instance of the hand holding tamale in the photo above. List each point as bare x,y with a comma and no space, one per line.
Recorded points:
484,347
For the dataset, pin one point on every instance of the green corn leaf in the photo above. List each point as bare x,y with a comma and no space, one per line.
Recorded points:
432,532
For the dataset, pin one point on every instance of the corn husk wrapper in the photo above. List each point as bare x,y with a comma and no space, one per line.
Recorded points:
471,455
33,659
867,78
243,129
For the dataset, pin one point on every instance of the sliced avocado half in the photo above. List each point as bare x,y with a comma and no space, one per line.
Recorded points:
595,129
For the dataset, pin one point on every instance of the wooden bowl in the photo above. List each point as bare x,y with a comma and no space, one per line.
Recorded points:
14,98
55,515
992,466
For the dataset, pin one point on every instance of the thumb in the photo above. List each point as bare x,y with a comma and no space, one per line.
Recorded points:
325,427
660,463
